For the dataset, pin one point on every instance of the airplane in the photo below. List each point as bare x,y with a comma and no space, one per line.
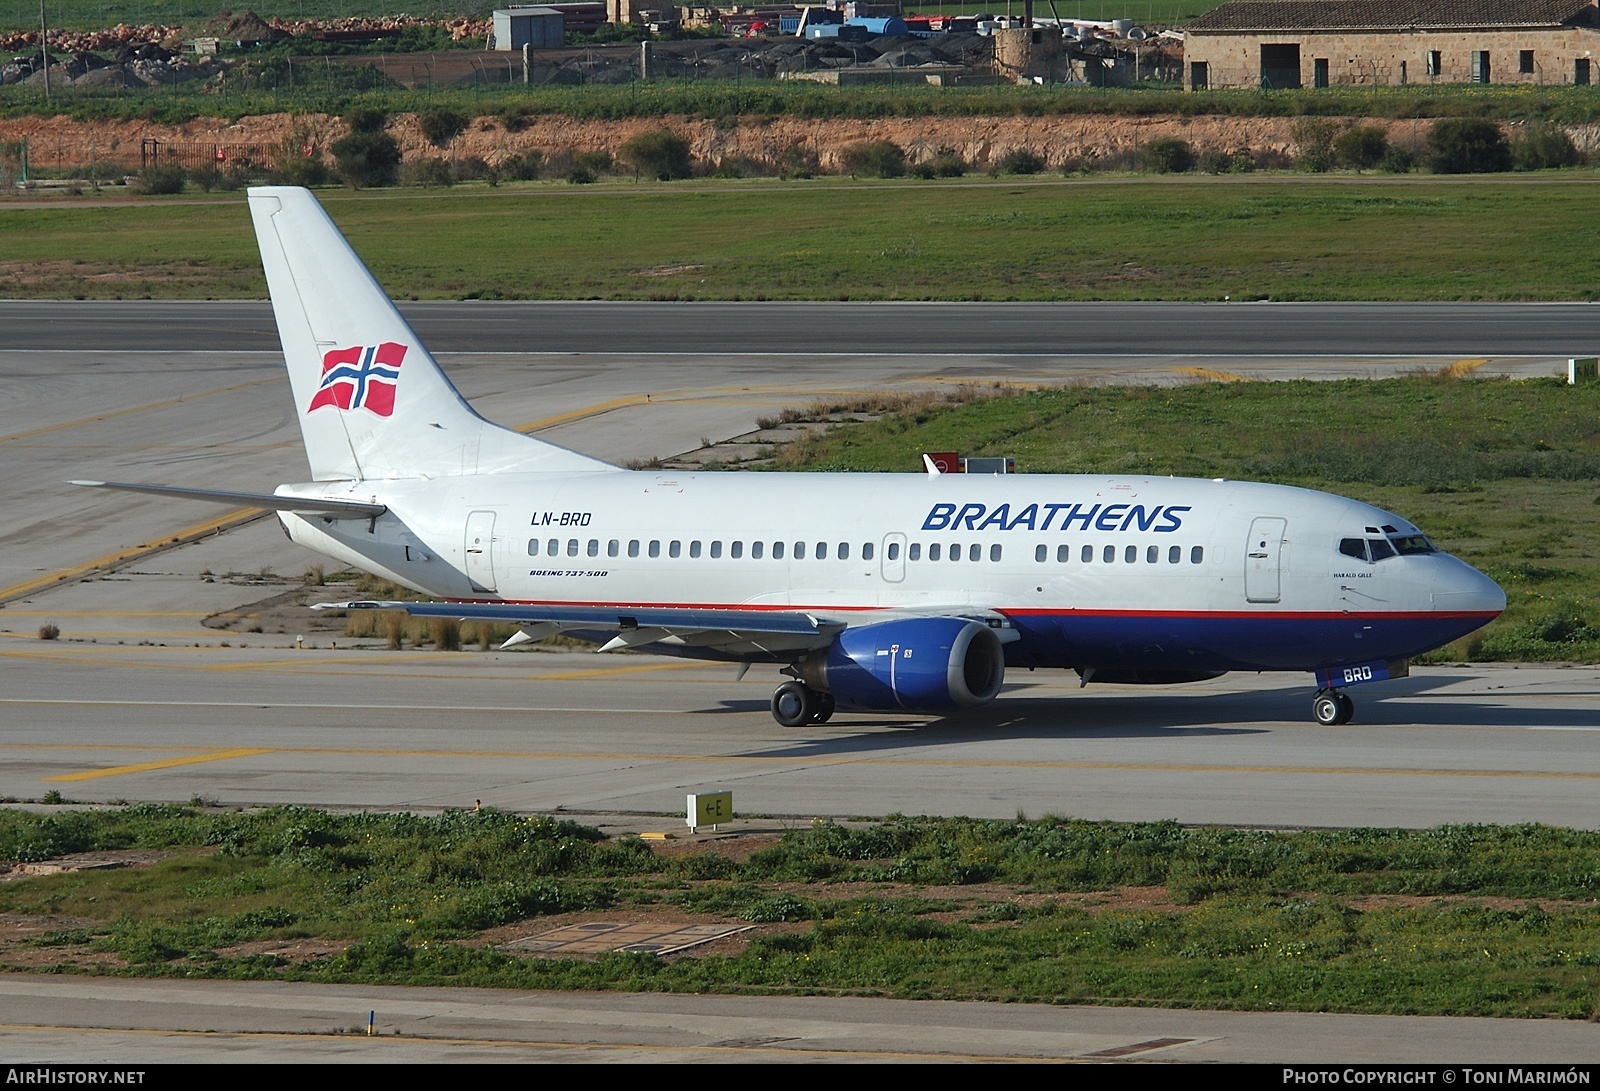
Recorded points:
881,592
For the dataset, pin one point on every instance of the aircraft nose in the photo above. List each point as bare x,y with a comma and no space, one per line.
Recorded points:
1463,589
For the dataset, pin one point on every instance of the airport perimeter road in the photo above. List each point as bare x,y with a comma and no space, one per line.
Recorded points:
1138,329
108,1020
631,735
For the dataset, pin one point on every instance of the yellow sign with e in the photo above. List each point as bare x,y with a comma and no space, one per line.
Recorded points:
710,808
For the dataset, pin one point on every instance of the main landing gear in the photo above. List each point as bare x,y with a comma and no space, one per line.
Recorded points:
1330,707
795,704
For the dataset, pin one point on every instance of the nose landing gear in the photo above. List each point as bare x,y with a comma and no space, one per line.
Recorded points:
1331,707
795,704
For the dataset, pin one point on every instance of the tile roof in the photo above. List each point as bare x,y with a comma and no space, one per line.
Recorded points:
1293,15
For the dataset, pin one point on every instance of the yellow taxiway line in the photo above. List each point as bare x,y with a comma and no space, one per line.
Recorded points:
147,766
180,399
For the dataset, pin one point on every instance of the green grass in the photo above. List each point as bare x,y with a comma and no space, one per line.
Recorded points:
1465,920
1505,474
832,238
335,88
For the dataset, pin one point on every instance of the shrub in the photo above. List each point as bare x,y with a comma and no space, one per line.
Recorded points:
299,170
160,178
365,119
49,632
522,168
1362,147
1020,161
1167,155
798,161
661,154
207,177
581,176
1397,160
873,159
1313,142
432,171
470,169
442,126
367,158
1539,147
1467,145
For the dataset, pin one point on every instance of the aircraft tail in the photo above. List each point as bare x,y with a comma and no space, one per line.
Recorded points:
372,401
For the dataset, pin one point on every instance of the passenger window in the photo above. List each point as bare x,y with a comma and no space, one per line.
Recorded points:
633,547
1087,554
716,550
777,551
756,549
1197,554
1131,554
866,551
1353,547
894,551
822,551
974,552
594,547
613,547
675,549
1063,554
736,550
1381,549
655,548
844,551
914,551
1109,554
799,551
1152,555
533,547
1041,552
572,547
955,551
935,551
994,552
694,549
1174,554
552,547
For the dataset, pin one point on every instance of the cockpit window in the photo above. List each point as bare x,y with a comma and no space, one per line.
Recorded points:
1353,547
1409,544
1381,549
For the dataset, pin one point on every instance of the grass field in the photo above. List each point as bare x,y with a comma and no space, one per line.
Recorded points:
1473,920
1504,474
1040,238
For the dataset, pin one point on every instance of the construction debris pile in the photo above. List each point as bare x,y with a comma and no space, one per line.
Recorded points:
147,65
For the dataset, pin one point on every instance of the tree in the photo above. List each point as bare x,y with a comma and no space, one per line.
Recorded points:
661,154
1362,147
1467,145
367,159
873,159
1539,147
1167,155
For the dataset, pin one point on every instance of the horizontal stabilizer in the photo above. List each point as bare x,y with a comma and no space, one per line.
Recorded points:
300,505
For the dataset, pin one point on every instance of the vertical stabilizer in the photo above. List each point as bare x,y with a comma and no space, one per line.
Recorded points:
372,401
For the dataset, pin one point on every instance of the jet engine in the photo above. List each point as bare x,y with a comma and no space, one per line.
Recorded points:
913,663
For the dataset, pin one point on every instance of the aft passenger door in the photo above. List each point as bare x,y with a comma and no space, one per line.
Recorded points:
480,550
1263,556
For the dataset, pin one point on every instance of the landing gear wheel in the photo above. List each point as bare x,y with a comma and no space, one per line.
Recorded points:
824,710
1332,707
794,704
1347,707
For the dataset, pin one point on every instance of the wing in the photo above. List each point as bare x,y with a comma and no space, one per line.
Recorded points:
730,634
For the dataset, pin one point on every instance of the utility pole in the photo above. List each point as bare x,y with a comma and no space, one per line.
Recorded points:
44,46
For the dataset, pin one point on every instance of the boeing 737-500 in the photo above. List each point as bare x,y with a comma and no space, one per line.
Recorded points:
912,591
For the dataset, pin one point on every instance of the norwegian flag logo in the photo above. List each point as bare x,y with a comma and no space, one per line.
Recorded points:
363,377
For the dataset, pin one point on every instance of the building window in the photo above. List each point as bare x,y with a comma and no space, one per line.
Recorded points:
1525,61
1480,66
1199,78
1402,73
1435,63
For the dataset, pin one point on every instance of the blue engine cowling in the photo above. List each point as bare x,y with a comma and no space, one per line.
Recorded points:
915,663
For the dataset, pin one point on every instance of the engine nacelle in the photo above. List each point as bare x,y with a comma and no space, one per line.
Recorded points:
914,663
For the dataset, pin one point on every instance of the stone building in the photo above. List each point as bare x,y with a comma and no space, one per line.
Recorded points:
1387,43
